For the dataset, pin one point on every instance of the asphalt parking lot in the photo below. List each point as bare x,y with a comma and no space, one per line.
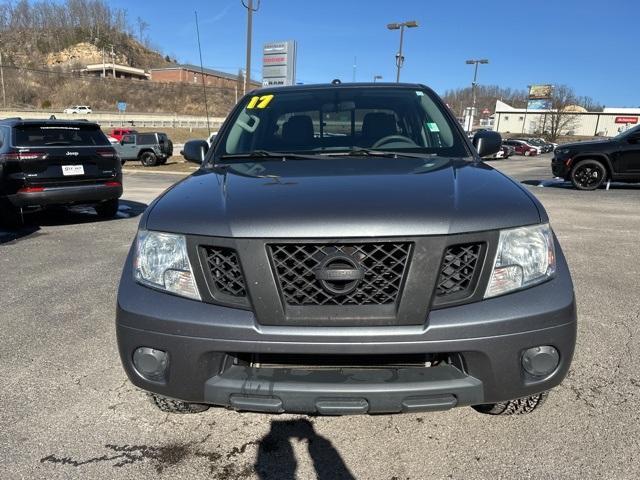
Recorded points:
68,411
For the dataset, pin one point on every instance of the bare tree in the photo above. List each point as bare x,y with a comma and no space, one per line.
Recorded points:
486,96
142,26
561,118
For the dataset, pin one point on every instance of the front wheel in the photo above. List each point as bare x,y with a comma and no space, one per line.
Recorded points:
520,406
588,175
149,159
108,209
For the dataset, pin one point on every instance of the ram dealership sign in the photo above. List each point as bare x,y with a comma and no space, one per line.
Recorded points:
279,64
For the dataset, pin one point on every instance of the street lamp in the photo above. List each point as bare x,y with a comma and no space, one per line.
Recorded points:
377,77
474,84
399,56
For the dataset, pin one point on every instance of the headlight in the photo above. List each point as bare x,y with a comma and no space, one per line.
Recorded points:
161,262
562,151
526,256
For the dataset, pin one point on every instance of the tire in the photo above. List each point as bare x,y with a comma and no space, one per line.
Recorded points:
10,216
168,405
588,174
108,209
149,159
520,406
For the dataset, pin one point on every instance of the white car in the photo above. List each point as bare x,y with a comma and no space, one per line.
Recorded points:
211,138
78,109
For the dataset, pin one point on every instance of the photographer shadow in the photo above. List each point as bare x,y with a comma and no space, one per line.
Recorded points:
276,459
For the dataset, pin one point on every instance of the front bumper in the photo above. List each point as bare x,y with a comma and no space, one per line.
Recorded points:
560,167
489,336
79,194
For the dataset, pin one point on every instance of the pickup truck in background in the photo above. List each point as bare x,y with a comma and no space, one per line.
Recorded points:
150,148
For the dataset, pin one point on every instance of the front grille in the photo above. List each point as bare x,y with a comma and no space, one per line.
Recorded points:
384,266
458,269
225,273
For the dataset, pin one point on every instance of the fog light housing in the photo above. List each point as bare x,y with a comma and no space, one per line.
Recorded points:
540,361
151,363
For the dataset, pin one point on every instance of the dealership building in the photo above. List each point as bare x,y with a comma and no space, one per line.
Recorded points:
607,123
193,74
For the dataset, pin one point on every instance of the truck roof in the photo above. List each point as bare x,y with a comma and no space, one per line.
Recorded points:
317,86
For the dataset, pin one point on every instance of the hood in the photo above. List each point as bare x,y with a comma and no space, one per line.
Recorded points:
343,197
590,144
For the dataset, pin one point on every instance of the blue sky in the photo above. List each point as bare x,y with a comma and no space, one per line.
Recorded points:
587,44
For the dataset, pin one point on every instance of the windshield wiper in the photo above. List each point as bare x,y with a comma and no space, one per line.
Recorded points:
57,142
370,152
268,154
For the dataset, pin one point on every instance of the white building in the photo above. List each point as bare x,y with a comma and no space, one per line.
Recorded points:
607,123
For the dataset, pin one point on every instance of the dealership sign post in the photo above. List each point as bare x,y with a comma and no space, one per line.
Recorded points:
279,64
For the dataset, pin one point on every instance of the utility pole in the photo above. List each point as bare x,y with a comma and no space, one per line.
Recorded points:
113,61
250,9
4,95
355,66
474,84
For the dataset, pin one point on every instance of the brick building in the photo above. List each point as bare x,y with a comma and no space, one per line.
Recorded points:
192,74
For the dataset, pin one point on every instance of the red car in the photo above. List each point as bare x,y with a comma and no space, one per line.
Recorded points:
521,148
118,133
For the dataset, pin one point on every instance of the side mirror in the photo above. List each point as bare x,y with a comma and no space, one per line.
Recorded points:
487,142
195,150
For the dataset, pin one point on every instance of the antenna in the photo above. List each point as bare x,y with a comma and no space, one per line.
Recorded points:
204,86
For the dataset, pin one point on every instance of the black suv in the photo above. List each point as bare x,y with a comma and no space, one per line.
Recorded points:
54,162
343,250
589,164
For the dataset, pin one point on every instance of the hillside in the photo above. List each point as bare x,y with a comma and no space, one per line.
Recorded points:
45,44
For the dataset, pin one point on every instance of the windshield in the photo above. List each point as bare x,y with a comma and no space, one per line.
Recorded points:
340,120
629,131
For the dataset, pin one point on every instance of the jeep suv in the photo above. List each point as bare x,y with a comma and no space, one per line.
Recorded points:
150,148
343,249
588,165
46,162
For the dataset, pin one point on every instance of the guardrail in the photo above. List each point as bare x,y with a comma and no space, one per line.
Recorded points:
108,119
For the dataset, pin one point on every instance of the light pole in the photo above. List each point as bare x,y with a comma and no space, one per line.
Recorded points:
399,56
377,77
474,84
250,9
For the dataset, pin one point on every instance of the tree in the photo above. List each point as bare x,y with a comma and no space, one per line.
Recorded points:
561,118
142,26
486,96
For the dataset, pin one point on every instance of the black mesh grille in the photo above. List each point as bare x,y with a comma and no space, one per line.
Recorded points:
224,267
458,268
384,266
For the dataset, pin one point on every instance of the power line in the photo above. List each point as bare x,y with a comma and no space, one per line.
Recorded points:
204,87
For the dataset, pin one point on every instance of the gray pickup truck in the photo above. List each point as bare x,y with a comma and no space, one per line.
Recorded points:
151,148
343,250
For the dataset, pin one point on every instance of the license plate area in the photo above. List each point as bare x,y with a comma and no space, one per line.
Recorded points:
71,170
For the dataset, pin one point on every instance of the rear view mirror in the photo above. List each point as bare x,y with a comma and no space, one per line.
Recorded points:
195,151
487,142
